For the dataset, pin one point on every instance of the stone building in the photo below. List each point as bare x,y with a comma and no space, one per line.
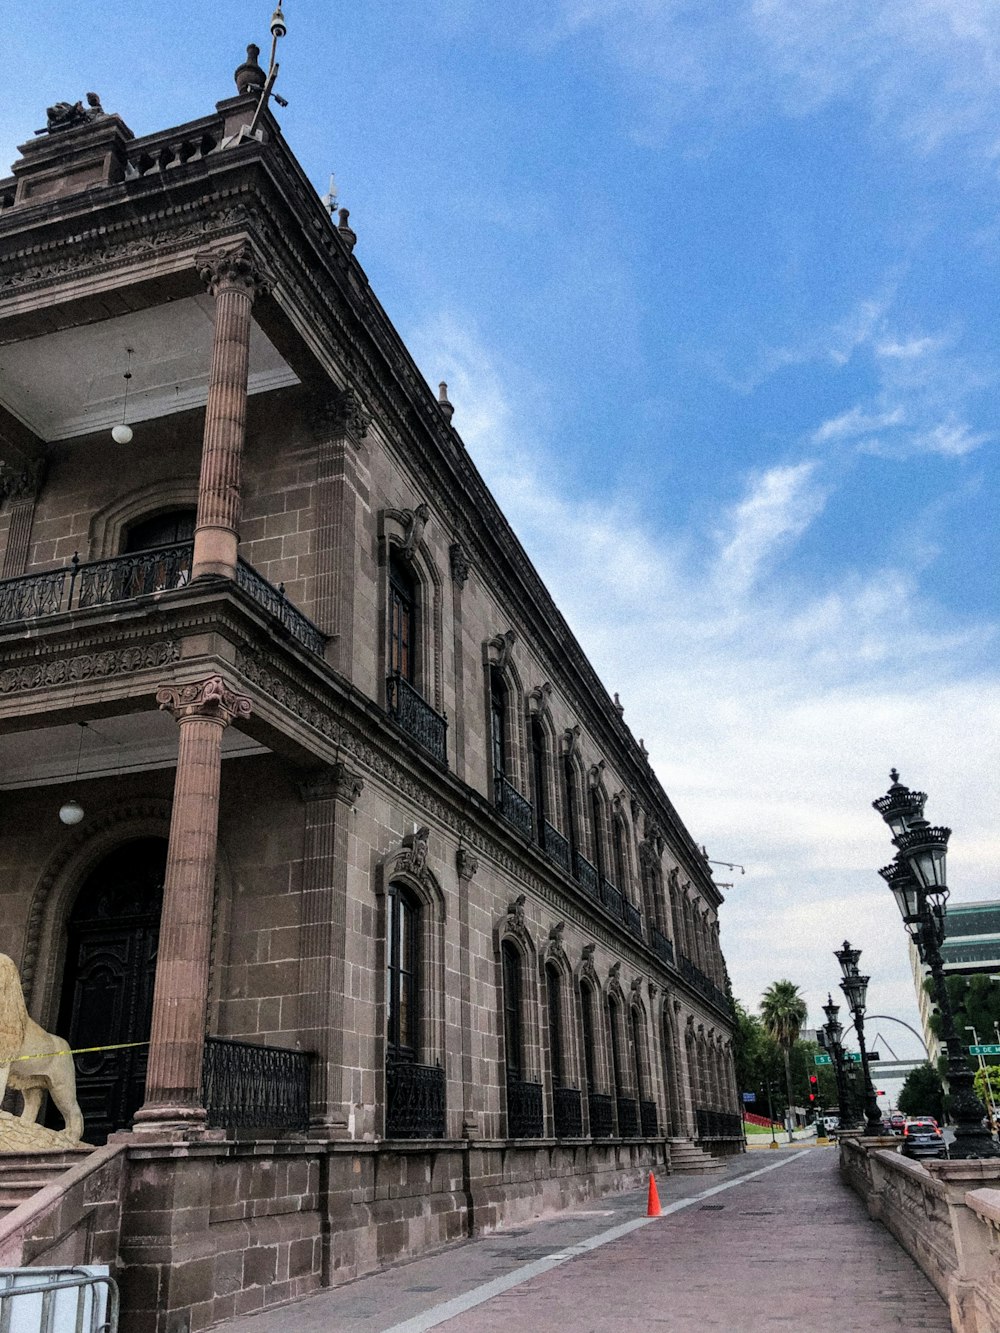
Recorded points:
315,817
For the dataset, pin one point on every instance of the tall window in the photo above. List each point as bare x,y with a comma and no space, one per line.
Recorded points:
616,1051
498,724
569,783
555,1026
618,849
513,1036
596,815
402,619
175,525
401,983
587,1014
538,775
637,1049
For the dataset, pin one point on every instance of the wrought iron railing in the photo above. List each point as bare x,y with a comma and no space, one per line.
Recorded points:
612,898
525,1116
602,1115
255,1087
555,844
418,719
704,985
662,947
648,1119
514,807
586,875
414,1101
628,1118
633,918
718,1124
273,599
568,1105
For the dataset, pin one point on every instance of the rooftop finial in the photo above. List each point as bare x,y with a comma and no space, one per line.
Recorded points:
346,230
893,774
249,76
447,410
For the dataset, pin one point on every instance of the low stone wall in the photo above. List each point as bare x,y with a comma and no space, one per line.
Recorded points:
945,1223
74,1220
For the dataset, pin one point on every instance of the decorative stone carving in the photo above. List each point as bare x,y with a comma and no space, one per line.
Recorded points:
652,989
21,483
445,406
337,782
595,774
210,699
619,706
412,860
68,115
499,649
416,520
515,912
538,698
34,1062
555,948
344,229
571,740
459,563
466,863
642,747
341,412
614,972
636,987
249,76
88,666
238,268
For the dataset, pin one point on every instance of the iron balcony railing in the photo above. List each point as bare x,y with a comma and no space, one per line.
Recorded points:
122,578
273,599
568,1106
648,1120
633,919
525,1117
612,899
255,1087
586,874
602,1115
704,985
555,844
662,947
414,1101
407,707
514,807
628,1118
718,1124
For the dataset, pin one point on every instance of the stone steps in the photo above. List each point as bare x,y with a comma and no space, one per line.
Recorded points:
24,1174
686,1156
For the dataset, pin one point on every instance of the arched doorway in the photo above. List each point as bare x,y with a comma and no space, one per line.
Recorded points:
107,995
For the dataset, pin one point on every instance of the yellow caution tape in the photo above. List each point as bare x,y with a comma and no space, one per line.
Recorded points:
80,1050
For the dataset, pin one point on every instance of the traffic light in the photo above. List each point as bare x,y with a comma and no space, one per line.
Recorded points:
813,1088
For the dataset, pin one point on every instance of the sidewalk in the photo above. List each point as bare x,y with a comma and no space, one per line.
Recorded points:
776,1243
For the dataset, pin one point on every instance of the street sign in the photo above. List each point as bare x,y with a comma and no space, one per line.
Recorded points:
749,1096
873,1055
984,1050
823,1059
853,1056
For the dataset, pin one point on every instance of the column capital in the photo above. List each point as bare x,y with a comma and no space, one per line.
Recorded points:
340,413
210,699
234,269
335,782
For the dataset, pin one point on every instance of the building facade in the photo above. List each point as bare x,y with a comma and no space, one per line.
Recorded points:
317,823
971,947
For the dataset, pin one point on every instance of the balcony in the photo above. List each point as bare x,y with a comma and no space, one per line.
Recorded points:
602,1115
628,1118
718,1124
633,919
512,805
568,1106
414,1101
525,1118
255,1087
413,714
612,899
125,578
704,985
662,947
555,845
648,1120
586,875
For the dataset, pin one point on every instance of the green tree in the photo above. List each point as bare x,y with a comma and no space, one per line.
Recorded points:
988,1085
923,1093
784,1011
757,1058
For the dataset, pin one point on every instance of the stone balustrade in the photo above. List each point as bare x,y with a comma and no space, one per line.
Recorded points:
945,1215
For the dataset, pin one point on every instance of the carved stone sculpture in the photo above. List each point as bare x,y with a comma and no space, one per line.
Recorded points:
67,115
33,1062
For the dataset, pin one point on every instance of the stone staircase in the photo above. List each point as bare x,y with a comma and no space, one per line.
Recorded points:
686,1156
24,1174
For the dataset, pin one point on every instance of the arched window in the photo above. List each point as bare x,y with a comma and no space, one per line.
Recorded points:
498,724
512,1026
556,1060
600,1104
569,787
402,620
538,761
628,1113
597,820
618,849
587,1015
402,975
637,1045
164,529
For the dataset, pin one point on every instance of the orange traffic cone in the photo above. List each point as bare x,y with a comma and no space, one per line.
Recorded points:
653,1206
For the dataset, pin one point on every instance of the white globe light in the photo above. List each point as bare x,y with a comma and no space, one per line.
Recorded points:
122,434
72,812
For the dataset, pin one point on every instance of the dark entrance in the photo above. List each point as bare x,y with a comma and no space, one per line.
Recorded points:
108,988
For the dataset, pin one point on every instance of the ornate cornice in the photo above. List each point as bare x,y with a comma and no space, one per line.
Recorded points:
89,666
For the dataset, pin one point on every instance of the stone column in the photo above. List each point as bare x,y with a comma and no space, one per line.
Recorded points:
174,1101
459,562
467,865
234,277
21,487
328,795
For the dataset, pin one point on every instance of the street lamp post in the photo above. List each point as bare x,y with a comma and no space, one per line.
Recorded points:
918,882
855,988
833,1032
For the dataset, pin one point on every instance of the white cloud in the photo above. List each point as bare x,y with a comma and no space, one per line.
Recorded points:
772,719
856,422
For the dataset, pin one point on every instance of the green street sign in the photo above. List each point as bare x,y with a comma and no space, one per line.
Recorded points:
853,1056
823,1059
984,1050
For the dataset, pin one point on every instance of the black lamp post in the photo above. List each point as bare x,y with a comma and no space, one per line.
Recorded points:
832,1033
855,988
918,880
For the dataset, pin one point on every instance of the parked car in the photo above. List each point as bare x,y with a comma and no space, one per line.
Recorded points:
923,1138
897,1123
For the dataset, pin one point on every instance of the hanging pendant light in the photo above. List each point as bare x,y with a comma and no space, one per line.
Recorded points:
122,434
71,812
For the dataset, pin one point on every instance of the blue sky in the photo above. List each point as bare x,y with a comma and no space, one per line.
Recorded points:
715,289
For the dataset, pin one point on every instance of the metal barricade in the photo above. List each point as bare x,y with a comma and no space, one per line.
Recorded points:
58,1300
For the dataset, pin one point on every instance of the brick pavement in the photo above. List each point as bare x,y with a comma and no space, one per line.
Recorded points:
758,1249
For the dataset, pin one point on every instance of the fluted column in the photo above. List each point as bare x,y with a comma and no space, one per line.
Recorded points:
19,485
472,1103
328,795
234,277
203,710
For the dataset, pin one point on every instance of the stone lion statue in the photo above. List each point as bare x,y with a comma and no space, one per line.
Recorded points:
51,1067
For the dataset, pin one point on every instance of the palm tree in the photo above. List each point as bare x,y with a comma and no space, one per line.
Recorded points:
784,1011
